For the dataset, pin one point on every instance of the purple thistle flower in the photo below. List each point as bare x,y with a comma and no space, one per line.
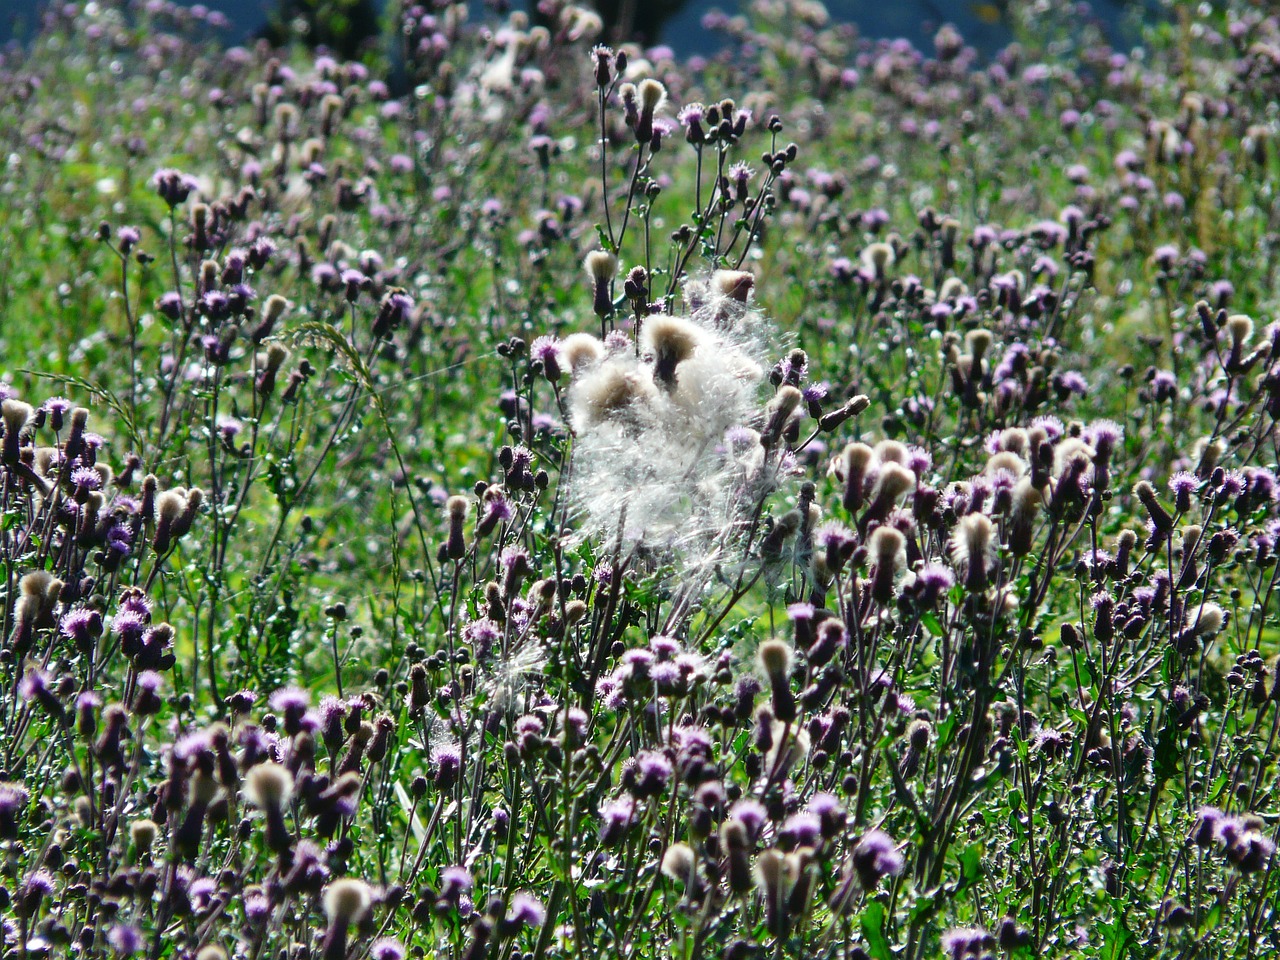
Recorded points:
81,626
454,882
523,910
173,186
966,941
875,857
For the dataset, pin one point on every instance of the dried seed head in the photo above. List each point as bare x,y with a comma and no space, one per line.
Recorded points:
601,266
1239,328
652,95
1006,461
893,482
143,833
1068,452
775,660
670,341
887,546
580,351
1209,620
972,545
608,391
879,257
679,862
734,284
41,586
978,342
170,505
15,414
346,901
269,786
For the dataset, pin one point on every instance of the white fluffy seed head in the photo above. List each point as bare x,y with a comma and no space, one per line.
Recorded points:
891,451
1026,499
170,505
1008,462
652,95
612,390
879,257
143,833
670,341
1209,619
580,351
735,284
978,342
678,862
775,660
15,414
1069,450
601,266
39,584
346,900
973,541
887,546
1239,328
1014,440
856,458
893,482
269,786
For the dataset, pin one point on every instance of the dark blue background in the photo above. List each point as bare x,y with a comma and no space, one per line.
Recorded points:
914,19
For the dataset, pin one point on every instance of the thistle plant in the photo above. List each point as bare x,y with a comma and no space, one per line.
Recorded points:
518,496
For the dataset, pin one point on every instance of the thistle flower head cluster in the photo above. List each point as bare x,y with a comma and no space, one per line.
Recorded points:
669,446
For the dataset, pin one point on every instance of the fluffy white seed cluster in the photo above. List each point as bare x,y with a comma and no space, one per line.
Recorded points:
667,429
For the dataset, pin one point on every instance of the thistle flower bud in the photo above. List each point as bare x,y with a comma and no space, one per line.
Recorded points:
456,547
850,408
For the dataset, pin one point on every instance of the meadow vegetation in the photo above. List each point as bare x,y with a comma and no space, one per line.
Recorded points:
517,497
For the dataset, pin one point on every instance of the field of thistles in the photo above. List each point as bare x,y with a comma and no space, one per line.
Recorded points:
522,495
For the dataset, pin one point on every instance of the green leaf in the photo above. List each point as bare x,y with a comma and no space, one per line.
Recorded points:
873,931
